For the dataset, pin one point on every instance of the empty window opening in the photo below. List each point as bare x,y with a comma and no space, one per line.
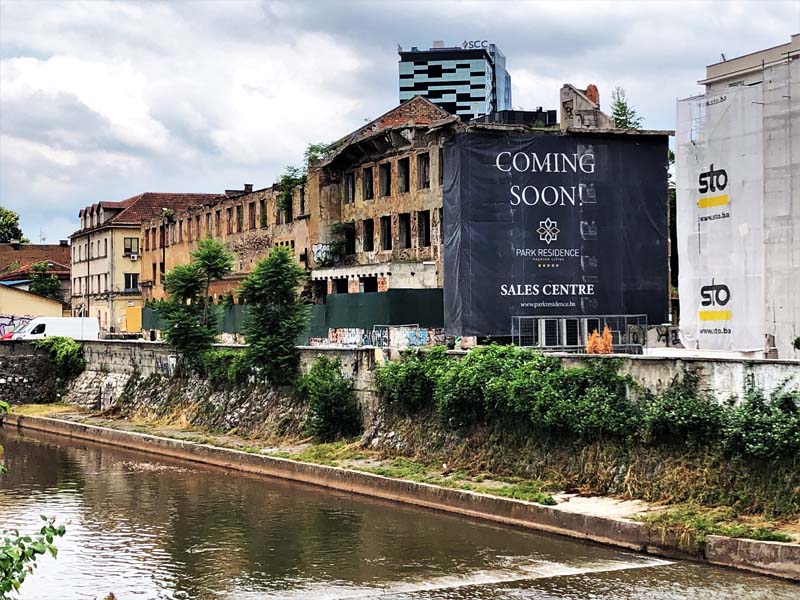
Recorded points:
403,167
251,215
367,184
350,239
369,235
385,173
404,226
386,233
441,165
423,171
340,286
239,218
369,284
349,188
424,226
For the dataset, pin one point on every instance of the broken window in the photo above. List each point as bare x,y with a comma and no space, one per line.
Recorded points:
239,218
349,188
208,224
386,233
441,165
302,199
404,226
262,207
424,226
251,215
197,226
367,183
403,174
369,235
385,174
423,170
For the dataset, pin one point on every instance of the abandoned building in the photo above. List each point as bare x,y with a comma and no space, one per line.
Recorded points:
248,221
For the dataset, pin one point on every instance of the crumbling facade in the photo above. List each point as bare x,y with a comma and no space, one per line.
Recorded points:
379,200
249,222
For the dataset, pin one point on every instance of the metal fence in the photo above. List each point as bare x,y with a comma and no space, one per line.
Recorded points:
570,333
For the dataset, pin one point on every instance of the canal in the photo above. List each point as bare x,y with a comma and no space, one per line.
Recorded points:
145,528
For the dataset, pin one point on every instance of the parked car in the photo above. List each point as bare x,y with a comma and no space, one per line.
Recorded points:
77,328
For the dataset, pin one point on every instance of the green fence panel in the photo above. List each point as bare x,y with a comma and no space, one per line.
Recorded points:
424,307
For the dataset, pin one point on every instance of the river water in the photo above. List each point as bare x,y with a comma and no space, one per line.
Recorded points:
144,527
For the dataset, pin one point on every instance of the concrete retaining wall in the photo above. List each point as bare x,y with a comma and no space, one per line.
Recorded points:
770,558
773,558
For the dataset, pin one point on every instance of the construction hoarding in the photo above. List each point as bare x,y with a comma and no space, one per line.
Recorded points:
540,224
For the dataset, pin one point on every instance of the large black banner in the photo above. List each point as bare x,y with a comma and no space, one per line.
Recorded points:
553,225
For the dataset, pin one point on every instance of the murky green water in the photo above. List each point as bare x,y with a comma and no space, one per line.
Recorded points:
145,528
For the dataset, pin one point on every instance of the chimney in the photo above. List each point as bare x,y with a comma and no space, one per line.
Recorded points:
248,187
63,243
593,94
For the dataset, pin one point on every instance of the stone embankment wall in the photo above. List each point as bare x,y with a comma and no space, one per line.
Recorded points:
24,374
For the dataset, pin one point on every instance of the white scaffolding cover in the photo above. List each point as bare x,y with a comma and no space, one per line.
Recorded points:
720,209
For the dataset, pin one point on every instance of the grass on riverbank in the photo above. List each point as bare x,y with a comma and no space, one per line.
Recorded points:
684,521
687,522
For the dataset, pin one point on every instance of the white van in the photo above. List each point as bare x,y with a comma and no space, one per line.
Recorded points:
77,328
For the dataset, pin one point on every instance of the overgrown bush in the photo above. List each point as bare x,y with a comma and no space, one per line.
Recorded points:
67,357
527,392
764,429
682,415
226,366
408,384
333,410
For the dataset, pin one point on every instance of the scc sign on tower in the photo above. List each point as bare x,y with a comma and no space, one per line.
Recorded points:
471,44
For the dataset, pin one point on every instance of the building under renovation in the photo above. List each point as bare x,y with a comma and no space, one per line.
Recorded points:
738,171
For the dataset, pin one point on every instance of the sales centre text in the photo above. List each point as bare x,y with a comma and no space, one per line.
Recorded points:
551,162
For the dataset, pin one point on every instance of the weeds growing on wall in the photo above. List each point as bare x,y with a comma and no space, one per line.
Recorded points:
333,410
67,357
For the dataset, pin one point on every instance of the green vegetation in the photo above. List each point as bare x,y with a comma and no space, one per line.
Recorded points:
276,316
695,522
293,176
226,366
333,410
67,357
9,227
520,390
18,553
190,317
44,283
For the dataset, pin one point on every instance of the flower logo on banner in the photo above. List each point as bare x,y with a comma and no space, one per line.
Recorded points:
548,230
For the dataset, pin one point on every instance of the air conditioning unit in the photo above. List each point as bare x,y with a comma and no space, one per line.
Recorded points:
134,257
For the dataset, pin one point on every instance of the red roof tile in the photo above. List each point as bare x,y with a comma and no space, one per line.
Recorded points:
14,256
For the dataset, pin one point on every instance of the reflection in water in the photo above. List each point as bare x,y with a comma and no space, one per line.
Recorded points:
150,528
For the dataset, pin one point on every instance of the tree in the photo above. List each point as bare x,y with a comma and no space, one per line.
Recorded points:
293,176
214,261
9,226
44,283
276,316
191,319
623,114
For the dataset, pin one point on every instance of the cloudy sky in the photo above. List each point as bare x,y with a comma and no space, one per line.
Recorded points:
104,100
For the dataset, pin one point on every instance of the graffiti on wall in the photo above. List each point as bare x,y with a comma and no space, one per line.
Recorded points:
11,322
382,336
